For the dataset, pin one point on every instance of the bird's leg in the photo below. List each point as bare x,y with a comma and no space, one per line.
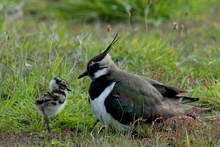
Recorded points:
47,123
46,118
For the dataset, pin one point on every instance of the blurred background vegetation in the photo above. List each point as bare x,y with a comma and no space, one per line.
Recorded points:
112,10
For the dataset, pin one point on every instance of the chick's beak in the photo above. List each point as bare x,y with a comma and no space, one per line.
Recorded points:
68,89
86,73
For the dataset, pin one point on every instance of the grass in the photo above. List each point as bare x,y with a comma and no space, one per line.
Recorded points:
33,50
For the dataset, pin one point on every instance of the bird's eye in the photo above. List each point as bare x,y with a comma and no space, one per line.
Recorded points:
93,66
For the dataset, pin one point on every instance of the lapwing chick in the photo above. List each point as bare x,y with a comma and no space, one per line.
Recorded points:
119,98
51,103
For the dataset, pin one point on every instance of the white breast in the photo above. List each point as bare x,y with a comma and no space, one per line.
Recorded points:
100,112
50,108
53,110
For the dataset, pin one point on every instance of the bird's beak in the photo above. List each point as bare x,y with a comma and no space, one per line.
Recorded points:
68,89
86,73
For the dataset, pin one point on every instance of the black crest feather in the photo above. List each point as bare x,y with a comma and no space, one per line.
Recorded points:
113,42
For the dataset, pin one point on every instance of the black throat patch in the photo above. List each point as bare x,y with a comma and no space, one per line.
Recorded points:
98,85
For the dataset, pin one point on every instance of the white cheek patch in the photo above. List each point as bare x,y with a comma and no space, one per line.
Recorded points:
100,72
104,66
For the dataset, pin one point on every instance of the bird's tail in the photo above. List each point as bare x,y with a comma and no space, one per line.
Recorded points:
185,100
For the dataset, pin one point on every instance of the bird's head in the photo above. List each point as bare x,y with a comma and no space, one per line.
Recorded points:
58,84
100,64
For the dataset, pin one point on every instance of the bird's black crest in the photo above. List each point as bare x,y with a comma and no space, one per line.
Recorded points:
110,45
103,54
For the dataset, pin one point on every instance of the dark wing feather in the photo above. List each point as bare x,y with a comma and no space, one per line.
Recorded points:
125,112
150,97
137,90
174,93
171,91
167,91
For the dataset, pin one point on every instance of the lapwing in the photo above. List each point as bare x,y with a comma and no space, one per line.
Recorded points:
118,98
